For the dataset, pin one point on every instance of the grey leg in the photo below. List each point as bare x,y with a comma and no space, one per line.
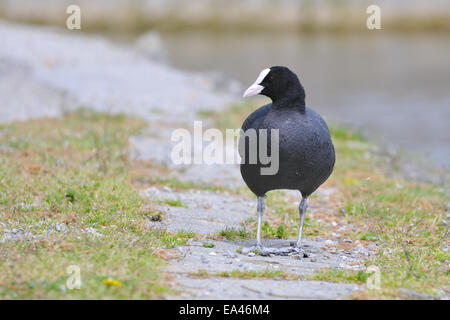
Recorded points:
301,209
260,209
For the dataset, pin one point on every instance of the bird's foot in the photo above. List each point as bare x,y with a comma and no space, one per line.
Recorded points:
268,251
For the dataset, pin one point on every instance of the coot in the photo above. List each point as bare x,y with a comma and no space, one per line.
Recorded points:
306,152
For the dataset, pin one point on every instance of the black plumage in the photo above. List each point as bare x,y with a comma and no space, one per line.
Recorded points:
306,152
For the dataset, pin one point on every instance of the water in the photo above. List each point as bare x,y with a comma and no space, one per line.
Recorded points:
396,88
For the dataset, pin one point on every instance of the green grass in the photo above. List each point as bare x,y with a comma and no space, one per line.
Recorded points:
173,203
402,216
235,234
75,171
340,275
248,274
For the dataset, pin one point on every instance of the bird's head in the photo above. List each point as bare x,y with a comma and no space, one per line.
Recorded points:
277,83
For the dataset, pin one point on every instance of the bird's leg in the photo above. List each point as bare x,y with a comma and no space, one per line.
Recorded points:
301,209
260,210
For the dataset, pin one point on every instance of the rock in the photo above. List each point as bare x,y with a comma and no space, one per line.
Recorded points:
17,232
347,240
167,189
251,254
336,235
329,242
60,227
151,191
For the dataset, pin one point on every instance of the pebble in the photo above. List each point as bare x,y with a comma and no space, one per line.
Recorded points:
251,254
167,189
329,242
152,191
347,240
336,235
212,253
61,227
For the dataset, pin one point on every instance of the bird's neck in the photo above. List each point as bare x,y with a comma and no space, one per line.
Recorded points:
293,101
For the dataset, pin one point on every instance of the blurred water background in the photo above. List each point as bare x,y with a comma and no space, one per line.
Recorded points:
393,83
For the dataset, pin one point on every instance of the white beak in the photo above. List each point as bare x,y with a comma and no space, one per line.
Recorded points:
253,90
256,88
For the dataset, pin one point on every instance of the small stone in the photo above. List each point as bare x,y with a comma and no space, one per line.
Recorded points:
151,191
347,240
60,227
333,223
212,253
276,278
313,259
329,242
17,231
167,189
251,254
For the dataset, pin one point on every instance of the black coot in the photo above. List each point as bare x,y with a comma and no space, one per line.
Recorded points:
306,152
